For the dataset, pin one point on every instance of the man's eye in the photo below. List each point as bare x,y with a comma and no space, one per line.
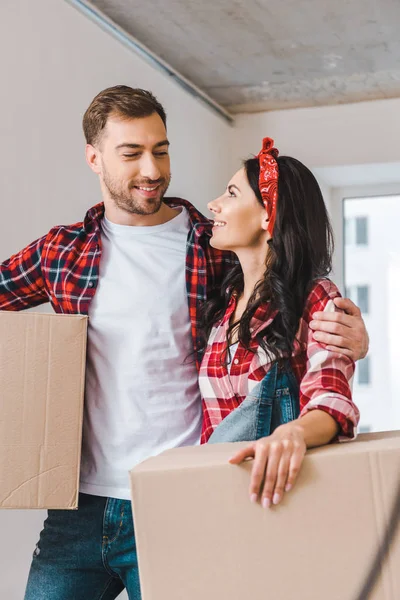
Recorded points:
231,194
130,155
161,153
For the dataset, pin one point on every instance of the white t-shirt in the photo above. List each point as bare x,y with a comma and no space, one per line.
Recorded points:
141,396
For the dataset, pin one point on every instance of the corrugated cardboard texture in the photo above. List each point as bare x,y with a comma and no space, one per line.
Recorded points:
198,535
42,376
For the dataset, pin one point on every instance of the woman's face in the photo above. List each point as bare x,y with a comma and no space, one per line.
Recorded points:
240,221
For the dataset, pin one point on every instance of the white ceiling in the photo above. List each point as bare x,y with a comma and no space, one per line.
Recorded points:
252,55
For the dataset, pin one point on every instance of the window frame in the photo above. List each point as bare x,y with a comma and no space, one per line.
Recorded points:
336,211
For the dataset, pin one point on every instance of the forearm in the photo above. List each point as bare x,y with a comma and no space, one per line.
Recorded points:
21,280
319,428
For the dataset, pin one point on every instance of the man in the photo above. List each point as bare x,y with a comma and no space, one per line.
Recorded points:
140,266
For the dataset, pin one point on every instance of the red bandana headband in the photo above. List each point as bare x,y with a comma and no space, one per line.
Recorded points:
268,180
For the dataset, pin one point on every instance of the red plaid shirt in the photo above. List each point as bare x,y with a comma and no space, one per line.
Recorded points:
324,377
62,267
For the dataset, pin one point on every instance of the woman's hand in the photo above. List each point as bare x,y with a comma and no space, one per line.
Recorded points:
277,462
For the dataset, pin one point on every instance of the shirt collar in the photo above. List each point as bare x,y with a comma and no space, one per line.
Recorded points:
93,218
260,320
198,222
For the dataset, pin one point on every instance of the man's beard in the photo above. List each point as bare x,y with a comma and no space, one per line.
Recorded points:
125,200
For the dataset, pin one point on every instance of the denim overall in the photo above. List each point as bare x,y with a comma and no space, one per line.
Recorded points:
273,401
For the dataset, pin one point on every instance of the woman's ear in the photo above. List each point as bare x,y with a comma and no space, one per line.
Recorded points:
265,221
265,225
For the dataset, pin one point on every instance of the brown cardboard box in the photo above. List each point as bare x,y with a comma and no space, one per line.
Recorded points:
42,375
199,537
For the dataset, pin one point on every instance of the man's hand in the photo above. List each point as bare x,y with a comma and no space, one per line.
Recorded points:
342,332
277,461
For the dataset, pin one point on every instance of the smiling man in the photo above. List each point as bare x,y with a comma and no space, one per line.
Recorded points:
140,265
132,159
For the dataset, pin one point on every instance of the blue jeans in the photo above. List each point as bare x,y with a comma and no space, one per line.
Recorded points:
86,554
273,402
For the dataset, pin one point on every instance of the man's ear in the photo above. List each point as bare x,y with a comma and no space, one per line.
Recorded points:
93,158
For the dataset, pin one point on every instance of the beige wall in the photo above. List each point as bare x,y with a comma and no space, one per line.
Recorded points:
53,61
348,134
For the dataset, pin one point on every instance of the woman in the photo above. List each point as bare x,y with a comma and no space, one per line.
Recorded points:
263,376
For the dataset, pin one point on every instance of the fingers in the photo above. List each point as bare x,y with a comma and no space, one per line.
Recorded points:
283,468
277,461
338,341
351,311
294,469
339,344
345,351
258,472
328,318
347,332
347,305
276,478
271,472
241,455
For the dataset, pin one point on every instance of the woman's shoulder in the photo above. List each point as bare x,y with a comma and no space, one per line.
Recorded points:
320,297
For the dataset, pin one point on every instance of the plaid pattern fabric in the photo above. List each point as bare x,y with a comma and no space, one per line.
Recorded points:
62,267
324,377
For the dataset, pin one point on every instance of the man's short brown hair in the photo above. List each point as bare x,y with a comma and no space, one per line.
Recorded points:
120,100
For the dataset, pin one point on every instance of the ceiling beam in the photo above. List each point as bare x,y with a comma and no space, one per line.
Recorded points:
141,50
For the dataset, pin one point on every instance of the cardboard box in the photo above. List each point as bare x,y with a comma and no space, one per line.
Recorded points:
42,376
199,537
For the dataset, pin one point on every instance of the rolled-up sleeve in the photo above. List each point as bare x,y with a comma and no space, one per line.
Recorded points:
327,382
21,280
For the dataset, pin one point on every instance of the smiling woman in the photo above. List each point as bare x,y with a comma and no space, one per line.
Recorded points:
264,379
238,208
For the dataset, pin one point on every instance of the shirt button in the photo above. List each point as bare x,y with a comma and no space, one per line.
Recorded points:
91,284
236,361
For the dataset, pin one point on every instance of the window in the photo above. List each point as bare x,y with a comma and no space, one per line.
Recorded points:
363,298
372,281
361,231
363,367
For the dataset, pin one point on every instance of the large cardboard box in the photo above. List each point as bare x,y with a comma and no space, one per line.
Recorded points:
198,535
42,376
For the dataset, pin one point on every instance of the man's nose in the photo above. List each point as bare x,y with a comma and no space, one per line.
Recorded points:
149,168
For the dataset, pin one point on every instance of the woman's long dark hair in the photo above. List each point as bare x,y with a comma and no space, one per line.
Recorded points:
299,253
